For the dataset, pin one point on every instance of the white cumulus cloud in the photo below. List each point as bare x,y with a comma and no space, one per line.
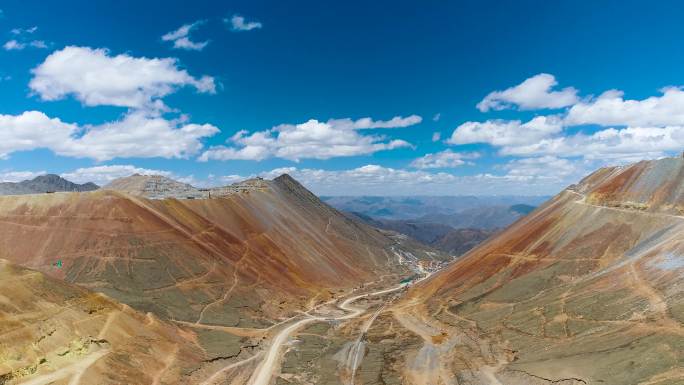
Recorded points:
23,31
628,129
533,93
507,132
135,135
95,78
312,140
622,145
41,44
610,108
31,130
138,135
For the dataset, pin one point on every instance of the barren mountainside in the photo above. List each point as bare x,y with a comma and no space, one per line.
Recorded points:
47,323
585,290
262,283
221,269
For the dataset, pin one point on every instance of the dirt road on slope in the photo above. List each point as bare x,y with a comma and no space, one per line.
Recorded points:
266,370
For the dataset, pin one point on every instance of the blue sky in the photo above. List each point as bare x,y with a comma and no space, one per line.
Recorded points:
461,97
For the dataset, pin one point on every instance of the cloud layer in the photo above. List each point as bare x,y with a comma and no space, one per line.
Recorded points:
443,159
534,93
374,179
135,135
610,108
312,140
610,128
102,175
506,132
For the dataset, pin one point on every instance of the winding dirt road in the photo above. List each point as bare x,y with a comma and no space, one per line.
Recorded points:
265,371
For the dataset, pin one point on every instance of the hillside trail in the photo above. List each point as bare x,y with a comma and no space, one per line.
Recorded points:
583,201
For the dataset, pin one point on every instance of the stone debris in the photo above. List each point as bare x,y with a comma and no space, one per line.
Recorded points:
161,187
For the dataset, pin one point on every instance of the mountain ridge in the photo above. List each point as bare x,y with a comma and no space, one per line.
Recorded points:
44,184
223,270
577,290
413,207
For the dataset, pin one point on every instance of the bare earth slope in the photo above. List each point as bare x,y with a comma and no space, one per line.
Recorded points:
52,332
225,269
227,261
587,289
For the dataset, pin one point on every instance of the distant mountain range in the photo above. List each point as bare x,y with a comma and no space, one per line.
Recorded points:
483,217
43,184
412,207
454,241
454,233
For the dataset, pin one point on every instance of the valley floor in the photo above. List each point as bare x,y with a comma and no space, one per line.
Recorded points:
353,314
366,338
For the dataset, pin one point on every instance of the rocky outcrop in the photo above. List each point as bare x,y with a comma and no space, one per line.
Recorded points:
161,187
154,187
244,187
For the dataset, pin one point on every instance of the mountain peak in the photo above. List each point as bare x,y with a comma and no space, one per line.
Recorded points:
290,184
285,178
45,183
154,187
48,177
